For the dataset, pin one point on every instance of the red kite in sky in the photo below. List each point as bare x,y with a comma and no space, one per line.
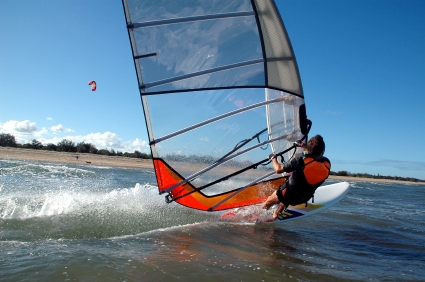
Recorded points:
93,85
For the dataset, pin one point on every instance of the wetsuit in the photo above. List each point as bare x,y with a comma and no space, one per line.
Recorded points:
308,174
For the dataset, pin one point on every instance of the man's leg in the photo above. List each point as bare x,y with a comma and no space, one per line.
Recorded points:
273,199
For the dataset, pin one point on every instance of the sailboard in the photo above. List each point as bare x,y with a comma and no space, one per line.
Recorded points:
220,90
324,198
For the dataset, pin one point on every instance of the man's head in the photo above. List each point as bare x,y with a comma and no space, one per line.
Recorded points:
316,146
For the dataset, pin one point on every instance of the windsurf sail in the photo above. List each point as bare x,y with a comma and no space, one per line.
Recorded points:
220,90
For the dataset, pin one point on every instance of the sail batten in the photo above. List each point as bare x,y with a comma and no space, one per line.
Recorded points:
145,56
189,19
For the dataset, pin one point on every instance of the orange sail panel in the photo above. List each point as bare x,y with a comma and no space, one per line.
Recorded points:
187,195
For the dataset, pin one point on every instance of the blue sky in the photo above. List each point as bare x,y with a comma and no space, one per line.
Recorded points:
361,64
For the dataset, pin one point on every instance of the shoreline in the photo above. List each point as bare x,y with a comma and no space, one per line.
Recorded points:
71,158
365,179
116,161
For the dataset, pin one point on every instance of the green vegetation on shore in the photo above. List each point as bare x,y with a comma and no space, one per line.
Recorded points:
8,140
367,175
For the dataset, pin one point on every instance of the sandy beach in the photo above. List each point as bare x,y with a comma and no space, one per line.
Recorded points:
348,178
72,158
99,160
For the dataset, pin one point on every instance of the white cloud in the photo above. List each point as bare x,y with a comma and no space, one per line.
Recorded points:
40,133
60,128
107,140
104,140
49,118
139,145
22,130
22,127
27,130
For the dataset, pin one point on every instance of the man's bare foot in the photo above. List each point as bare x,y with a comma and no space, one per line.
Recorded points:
275,213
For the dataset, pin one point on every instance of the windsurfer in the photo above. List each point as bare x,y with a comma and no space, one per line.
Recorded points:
308,173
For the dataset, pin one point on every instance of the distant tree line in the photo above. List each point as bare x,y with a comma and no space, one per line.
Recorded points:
367,175
8,140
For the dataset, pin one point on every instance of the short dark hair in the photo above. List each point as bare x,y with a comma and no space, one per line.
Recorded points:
316,145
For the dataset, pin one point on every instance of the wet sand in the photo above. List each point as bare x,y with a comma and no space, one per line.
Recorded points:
99,160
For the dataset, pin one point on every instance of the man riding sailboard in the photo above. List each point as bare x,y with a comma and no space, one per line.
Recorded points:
309,171
211,73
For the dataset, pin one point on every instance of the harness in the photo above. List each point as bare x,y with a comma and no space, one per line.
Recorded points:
316,171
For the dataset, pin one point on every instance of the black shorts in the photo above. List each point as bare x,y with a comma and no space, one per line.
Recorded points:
283,199
291,197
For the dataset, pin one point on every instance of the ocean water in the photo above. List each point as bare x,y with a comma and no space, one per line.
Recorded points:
82,223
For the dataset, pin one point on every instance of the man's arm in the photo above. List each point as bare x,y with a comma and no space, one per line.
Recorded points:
278,167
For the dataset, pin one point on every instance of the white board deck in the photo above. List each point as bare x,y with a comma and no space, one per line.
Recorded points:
324,197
